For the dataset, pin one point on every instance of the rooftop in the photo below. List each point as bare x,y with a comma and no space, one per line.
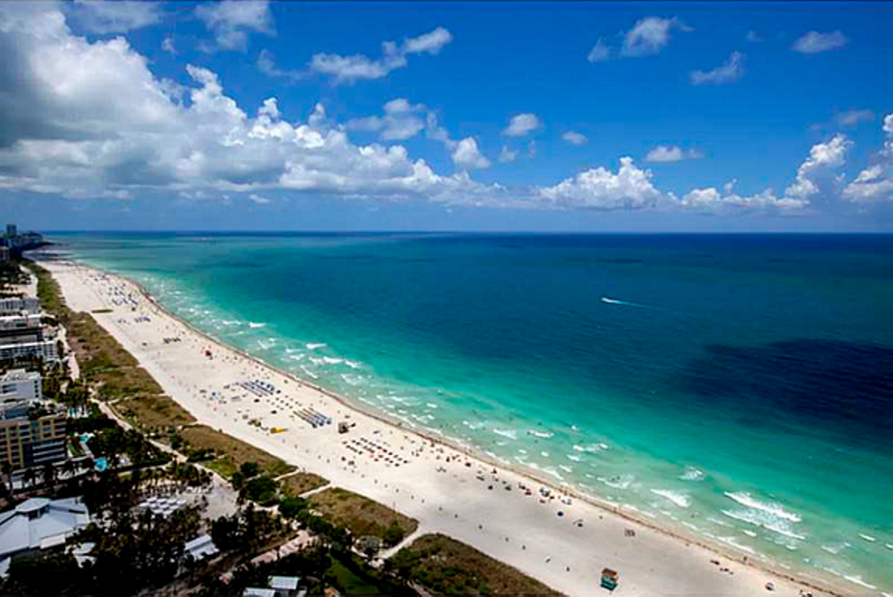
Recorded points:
284,583
40,523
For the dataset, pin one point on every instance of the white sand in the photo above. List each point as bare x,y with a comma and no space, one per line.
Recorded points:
439,485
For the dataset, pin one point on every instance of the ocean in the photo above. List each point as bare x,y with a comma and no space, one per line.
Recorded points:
738,388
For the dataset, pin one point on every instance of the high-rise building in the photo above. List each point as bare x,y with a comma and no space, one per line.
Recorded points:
19,384
30,435
11,230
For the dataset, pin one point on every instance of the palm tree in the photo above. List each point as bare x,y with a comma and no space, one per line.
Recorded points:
7,472
49,475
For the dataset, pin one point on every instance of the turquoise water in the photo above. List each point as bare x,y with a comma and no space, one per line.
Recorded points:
737,387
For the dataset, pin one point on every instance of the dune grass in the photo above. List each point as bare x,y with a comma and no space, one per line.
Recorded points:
231,453
449,567
360,515
300,483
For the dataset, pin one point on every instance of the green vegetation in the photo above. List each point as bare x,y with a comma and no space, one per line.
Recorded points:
107,367
230,453
448,567
360,515
137,553
300,483
247,531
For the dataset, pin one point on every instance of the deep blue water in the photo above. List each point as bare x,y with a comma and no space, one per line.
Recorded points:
747,379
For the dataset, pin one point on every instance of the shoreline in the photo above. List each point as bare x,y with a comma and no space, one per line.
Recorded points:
768,569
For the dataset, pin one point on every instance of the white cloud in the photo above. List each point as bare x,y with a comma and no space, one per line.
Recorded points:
753,37
507,155
401,121
259,200
813,172
712,200
267,66
599,52
467,154
575,138
673,153
522,124
854,117
430,43
815,42
167,44
91,120
650,35
349,69
872,185
120,16
729,72
875,183
232,20
601,189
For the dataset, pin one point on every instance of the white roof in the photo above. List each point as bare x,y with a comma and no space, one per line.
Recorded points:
255,592
39,523
201,547
289,583
19,374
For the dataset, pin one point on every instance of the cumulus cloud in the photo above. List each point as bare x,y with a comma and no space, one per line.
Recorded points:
575,138
522,124
823,159
650,35
507,155
114,17
467,154
232,20
815,42
670,153
91,120
599,52
875,183
349,69
258,199
872,185
712,200
600,189
400,121
731,70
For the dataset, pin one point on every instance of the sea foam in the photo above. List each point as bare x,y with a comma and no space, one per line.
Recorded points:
677,497
773,508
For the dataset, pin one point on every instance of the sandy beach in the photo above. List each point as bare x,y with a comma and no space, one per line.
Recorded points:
556,537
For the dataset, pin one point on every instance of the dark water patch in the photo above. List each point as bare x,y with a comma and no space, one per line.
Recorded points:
622,261
348,257
843,387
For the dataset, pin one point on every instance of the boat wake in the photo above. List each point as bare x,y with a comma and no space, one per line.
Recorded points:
611,301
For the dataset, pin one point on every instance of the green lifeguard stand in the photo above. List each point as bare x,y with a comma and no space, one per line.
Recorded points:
610,578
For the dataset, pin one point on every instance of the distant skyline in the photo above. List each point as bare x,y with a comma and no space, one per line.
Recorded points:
255,115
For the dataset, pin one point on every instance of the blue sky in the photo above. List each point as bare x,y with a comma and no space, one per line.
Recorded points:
447,116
